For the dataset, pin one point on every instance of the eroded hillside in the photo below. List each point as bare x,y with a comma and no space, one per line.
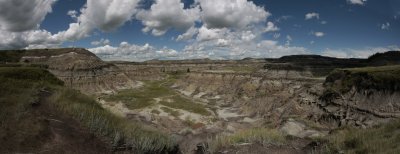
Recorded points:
293,104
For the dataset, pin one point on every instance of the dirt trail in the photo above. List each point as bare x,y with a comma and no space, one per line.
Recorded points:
63,134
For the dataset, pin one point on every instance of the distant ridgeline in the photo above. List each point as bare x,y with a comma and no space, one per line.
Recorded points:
322,66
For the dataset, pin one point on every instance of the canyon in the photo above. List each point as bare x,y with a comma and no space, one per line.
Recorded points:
197,101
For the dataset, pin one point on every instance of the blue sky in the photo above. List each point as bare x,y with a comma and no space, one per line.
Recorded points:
225,29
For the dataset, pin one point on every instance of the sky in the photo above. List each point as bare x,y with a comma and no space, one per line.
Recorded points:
139,30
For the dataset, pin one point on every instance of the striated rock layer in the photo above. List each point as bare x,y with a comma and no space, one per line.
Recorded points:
80,69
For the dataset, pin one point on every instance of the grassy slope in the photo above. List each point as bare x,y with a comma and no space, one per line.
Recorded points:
381,139
379,78
18,125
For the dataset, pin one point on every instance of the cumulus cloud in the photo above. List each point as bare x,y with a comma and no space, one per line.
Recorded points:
357,2
101,42
27,39
207,34
23,15
192,31
231,13
312,15
133,52
106,15
357,53
166,14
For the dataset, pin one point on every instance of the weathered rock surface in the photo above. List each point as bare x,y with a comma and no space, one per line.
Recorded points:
80,69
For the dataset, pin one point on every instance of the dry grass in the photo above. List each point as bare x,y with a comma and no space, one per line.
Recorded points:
19,88
255,135
381,139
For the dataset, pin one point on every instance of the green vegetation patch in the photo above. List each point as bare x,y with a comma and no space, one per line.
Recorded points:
381,139
255,135
143,97
179,102
170,111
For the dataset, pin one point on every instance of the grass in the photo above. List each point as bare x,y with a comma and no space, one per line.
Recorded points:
385,78
179,102
170,111
20,126
145,96
381,139
141,98
262,136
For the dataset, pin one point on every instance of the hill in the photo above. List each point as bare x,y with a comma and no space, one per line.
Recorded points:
37,113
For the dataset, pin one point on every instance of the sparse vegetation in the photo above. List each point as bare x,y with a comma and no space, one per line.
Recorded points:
145,96
19,125
255,135
20,87
179,102
385,78
170,111
380,139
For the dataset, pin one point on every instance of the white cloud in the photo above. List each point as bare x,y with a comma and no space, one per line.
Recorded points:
106,15
318,34
271,27
324,22
27,39
207,34
101,42
385,26
192,31
357,53
73,14
231,13
357,2
133,52
166,14
312,15
23,15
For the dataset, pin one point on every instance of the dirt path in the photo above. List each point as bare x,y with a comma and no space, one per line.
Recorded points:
63,134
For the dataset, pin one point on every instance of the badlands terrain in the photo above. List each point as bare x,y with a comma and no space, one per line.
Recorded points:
69,100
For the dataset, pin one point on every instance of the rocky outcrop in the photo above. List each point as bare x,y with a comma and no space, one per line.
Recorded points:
361,97
269,95
80,69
